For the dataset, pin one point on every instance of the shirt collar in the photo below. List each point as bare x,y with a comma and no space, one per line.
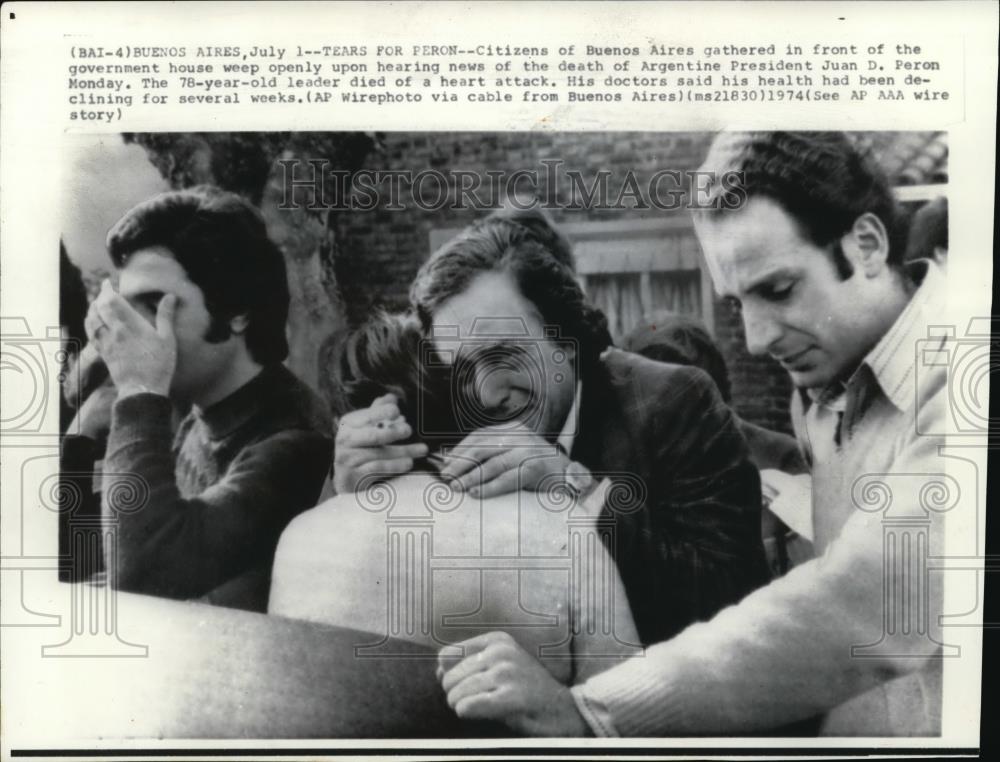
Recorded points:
892,361
229,414
833,397
568,434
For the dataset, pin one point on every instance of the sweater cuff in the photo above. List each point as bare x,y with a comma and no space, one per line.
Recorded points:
594,713
140,416
637,698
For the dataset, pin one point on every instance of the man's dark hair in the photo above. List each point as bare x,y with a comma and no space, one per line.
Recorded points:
498,244
542,227
383,356
221,241
681,340
825,180
928,230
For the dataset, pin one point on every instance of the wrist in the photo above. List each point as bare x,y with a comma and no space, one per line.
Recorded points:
130,388
594,715
575,724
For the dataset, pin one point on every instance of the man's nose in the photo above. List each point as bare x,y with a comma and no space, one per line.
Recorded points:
762,330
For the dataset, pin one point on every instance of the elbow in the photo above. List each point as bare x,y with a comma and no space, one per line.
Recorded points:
137,569
124,573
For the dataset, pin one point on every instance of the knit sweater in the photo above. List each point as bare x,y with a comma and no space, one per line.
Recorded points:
188,518
826,638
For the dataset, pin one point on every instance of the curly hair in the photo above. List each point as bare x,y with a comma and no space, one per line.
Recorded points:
543,229
221,241
499,244
681,340
928,230
825,180
385,356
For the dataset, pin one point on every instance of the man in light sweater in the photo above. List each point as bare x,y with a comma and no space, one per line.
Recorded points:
197,322
807,243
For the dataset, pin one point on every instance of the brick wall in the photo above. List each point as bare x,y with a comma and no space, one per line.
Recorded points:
380,251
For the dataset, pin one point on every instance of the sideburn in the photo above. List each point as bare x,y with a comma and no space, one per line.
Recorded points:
840,261
218,330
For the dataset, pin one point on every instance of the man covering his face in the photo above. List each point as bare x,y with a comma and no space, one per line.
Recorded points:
198,320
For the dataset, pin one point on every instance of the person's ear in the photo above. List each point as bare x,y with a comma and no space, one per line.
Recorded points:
239,324
866,244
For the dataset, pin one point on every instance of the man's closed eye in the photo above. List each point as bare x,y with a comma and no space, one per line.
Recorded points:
777,292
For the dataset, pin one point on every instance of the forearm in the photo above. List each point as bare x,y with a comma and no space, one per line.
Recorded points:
79,532
140,495
783,654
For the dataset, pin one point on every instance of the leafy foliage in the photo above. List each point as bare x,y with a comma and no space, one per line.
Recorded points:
242,162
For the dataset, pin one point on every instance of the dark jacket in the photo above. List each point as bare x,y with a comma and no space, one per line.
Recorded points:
688,503
772,449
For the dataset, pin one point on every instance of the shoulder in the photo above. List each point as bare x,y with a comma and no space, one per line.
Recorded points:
289,430
934,361
771,449
288,403
350,516
921,430
640,381
320,520
669,407
931,353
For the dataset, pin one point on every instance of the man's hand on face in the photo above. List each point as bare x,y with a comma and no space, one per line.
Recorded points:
499,460
140,357
498,680
365,444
